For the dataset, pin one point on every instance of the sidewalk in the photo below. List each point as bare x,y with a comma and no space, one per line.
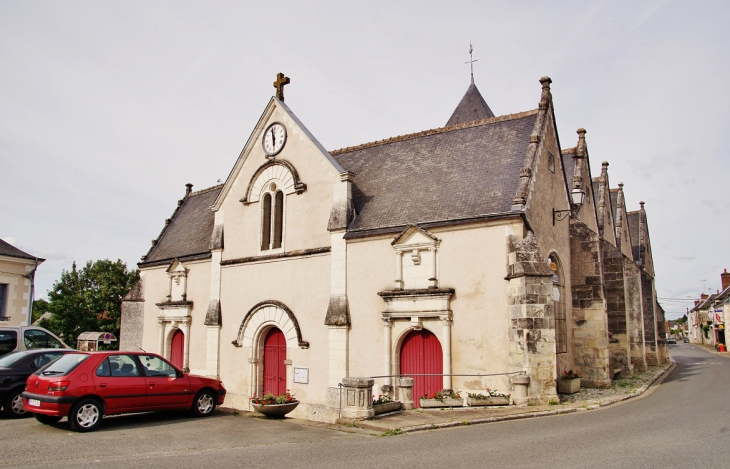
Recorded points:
587,399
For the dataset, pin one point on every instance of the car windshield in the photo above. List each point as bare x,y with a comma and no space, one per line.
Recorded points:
12,358
63,365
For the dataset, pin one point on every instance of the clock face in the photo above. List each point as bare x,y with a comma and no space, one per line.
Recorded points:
274,138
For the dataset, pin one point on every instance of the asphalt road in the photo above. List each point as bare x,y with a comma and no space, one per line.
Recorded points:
682,422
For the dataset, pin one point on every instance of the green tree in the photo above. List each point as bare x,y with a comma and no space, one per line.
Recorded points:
89,299
40,307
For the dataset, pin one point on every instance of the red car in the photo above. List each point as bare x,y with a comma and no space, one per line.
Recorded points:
85,386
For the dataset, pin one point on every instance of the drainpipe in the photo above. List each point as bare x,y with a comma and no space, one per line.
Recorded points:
31,276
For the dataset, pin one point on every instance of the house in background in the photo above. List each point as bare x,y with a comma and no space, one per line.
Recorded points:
17,277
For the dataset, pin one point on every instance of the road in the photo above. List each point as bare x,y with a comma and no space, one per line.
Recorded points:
683,422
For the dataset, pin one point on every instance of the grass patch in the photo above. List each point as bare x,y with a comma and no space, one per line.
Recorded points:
553,402
397,431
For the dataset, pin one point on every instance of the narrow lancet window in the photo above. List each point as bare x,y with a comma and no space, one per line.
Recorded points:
266,222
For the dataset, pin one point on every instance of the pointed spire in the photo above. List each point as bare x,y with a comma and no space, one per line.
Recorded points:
472,107
602,191
620,208
580,154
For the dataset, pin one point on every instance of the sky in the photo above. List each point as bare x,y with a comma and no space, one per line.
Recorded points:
107,109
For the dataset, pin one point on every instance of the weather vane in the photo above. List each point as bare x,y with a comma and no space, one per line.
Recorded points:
471,62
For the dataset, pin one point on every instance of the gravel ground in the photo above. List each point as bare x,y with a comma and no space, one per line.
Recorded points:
620,387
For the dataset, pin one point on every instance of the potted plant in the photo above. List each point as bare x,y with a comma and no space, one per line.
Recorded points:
275,406
569,382
383,404
443,398
490,398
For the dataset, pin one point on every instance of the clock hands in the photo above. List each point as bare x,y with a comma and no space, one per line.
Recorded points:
273,139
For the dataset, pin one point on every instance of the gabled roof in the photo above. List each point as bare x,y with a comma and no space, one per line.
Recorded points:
253,139
7,249
472,107
187,237
450,173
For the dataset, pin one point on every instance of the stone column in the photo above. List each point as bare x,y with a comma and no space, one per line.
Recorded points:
405,395
446,329
433,279
161,344
358,403
398,270
387,347
185,326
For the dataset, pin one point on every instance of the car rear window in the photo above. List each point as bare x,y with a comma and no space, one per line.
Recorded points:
12,358
64,365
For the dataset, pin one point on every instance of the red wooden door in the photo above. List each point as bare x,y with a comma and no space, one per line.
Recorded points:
421,354
274,367
176,349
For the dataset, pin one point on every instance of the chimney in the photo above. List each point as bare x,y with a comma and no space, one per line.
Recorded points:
725,276
704,296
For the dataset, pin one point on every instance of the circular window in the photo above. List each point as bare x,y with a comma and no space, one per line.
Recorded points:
272,187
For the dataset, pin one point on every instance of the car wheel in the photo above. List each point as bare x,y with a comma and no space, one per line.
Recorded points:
13,406
85,415
47,419
203,404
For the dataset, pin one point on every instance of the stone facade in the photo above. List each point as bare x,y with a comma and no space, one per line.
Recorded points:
354,252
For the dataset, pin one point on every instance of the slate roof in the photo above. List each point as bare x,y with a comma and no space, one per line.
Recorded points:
188,234
450,173
7,249
472,107
634,219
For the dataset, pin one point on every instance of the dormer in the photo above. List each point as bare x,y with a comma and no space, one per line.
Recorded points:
416,259
178,277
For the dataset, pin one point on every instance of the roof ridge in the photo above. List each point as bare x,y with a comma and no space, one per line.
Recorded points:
634,212
208,189
436,131
565,151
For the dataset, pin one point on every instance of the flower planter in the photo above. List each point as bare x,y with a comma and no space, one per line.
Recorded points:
568,386
275,410
387,407
470,401
445,402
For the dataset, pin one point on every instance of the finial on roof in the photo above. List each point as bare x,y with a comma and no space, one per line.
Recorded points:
620,186
546,97
604,165
642,204
279,84
471,62
581,133
188,188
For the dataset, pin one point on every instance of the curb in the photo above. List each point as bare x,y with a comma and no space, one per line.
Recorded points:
544,413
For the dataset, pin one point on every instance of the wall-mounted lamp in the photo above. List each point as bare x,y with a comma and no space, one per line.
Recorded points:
578,195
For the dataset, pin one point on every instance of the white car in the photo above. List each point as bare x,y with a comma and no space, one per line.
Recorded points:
671,340
16,338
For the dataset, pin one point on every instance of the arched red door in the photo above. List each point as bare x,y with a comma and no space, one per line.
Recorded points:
421,354
177,349
274,367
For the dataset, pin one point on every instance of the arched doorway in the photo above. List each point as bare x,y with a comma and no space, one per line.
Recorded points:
421,354
177,346
274,362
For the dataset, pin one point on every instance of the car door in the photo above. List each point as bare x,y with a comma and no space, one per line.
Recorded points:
166,385
120,382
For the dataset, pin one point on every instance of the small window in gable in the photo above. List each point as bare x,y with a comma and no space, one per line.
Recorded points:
551,162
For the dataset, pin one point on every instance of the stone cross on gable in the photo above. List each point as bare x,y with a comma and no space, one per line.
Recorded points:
281,80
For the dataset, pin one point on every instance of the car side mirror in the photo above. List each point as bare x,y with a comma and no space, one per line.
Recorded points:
179,373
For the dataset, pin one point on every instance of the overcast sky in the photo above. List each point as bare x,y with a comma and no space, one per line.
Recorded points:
108,108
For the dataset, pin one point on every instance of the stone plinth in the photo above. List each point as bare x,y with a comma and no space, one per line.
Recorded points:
521,384
406,393
357,402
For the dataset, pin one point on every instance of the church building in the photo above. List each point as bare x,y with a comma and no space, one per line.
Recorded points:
463,256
